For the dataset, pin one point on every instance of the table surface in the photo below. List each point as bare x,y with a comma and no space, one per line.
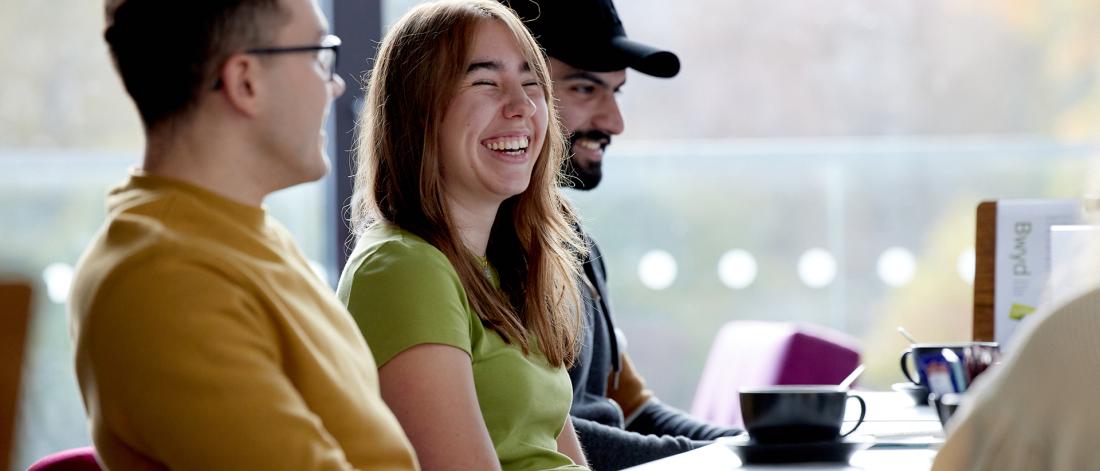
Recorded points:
906,438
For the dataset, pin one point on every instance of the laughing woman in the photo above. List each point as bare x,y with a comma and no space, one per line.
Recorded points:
462,275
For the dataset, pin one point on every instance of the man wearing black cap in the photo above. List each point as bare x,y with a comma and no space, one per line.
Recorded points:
619,422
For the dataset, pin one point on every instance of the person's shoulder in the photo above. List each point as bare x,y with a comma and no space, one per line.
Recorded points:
386,247
1074,324
150,284
140,223
402,292
1087,303
390,260
141,236
153,258
1065,334
137,253
130,242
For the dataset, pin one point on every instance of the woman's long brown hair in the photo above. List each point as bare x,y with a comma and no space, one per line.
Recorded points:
399,181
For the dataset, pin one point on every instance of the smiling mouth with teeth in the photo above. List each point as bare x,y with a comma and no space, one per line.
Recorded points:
510,145
590,144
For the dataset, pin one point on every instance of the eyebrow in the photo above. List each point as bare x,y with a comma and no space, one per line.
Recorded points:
493,66
582,75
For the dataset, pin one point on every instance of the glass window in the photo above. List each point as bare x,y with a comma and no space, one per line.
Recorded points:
822,162
838,150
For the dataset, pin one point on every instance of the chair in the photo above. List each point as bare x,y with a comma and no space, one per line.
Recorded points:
756,353
15,308
76,459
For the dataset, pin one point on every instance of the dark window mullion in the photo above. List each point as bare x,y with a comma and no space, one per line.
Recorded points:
359,24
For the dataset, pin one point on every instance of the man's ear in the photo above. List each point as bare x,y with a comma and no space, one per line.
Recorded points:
241,81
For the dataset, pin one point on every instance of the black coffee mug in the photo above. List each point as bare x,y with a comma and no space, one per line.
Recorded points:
973,358
797,414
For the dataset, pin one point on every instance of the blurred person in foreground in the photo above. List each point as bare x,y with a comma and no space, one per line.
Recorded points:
1037,409
463,277
619,421
203,338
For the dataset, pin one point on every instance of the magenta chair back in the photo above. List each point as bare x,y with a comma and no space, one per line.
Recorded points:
758,353
76,459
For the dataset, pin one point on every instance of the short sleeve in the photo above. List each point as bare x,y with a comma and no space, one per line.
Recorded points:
405,293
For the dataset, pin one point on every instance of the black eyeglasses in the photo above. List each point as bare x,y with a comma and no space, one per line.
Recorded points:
327,52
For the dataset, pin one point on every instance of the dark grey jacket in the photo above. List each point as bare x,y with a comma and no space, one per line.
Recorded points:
609,443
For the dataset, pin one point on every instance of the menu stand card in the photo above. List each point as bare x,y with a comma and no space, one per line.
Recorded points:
1013,261
1070,278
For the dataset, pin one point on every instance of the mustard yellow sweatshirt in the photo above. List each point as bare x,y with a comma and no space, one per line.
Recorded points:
205,342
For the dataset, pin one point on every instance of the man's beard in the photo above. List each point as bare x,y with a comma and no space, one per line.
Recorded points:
584,178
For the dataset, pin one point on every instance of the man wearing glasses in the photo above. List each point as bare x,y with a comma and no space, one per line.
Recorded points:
203,339
618,421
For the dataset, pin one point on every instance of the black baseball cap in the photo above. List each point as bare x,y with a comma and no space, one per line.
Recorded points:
587,34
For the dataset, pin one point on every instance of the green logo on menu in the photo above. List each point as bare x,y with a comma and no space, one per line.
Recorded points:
1019,311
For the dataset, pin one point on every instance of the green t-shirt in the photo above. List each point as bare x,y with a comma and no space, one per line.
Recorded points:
404,292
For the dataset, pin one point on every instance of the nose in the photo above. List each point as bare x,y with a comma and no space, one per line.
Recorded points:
338,86
518,104
608,118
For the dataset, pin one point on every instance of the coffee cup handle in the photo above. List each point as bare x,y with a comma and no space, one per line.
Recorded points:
905,366
862,413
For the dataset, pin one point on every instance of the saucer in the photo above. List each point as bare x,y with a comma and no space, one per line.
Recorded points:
916,392
839,451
